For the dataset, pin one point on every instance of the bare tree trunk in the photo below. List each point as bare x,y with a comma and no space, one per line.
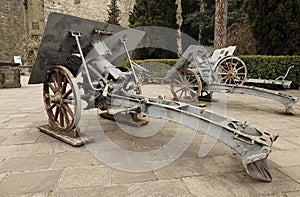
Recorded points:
179,21
201,24
220,24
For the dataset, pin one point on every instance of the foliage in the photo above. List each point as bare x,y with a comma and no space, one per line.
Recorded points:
205,19
153,13
113,13
271,67
276,24
169,62
236,12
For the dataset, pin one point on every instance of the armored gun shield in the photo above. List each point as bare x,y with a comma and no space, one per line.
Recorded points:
58,47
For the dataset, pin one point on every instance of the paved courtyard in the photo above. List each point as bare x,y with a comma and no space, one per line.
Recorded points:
35,164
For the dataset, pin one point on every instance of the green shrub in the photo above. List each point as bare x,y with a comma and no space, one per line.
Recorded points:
170,62
271,67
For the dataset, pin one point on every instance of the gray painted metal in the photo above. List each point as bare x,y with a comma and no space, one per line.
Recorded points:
284,83
254,145
59,48
199,62
287,100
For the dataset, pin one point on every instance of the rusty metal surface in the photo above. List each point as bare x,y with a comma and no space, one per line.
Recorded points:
57,44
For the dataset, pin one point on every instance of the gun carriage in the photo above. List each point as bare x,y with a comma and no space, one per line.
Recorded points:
196,75
72,47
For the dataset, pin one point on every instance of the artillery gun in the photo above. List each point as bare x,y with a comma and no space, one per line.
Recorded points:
73,46
196,75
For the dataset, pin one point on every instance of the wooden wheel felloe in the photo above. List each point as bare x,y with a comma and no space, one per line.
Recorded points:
186,85
232,70
61,99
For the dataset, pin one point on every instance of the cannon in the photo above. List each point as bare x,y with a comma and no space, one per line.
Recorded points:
74,47
196,75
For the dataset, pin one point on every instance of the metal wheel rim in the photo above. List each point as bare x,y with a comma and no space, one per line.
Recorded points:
186,85
232,70
61,99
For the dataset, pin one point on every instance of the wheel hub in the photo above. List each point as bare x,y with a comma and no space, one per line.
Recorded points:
230,73
57,98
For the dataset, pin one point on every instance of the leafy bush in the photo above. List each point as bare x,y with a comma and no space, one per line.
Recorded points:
271,67
169,62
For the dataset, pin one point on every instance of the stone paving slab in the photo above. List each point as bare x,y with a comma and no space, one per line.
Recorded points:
29,182
34,164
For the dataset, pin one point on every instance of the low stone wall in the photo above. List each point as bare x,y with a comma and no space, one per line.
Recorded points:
25,70
9,75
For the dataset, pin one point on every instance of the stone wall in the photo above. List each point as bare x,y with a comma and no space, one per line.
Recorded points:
11,29
22,22
91,9
9,75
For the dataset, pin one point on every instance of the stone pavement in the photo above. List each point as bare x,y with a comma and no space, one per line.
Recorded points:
34,164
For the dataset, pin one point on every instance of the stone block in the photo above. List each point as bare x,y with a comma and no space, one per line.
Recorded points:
9,76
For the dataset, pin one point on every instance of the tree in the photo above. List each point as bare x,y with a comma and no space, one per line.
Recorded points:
220,24
113,13
153,13
276,25
201,21
179,21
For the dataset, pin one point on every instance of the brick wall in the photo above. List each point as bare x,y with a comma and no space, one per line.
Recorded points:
12,27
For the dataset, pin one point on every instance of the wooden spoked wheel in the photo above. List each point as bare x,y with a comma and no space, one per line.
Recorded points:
232,70
61,99
186,85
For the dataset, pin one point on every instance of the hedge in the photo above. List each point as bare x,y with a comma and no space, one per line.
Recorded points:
264,67
271,67
169,62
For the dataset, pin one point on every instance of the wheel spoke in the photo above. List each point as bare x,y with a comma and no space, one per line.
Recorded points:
68,110
181,94
192,91
225,77
51,107
61,117
179,90
67,93
239,68
67,120
51,87
68,101
188,78
56,114
177,81
222,67
64,85
65,115
191,82
59,80
180,76
54,81
226,80
238,78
